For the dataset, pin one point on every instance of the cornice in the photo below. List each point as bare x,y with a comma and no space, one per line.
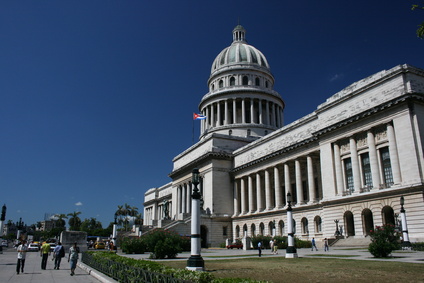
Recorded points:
201,159
369,112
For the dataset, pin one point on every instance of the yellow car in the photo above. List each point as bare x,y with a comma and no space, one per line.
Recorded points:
99,245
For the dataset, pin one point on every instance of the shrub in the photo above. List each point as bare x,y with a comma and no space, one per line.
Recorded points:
133,246
260,238
384,239
163,243
418,246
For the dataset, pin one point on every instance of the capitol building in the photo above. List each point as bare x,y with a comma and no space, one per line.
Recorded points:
348,162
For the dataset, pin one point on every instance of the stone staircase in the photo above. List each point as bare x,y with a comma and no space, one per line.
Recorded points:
352,241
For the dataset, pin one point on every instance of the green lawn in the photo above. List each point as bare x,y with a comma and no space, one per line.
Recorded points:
279,269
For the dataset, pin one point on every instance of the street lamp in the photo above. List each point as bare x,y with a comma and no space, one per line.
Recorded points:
405,243
291,249
195,262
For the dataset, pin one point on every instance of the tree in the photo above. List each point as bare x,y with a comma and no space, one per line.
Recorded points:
420,30
74,221
60,222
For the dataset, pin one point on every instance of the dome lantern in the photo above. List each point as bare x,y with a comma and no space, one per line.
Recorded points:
239,34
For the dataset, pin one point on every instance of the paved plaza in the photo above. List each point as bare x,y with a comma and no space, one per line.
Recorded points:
34,274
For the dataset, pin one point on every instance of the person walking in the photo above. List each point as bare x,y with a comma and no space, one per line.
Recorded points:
58,253
44,253
271,245
314,245
73,258
326,245
22,250
275,247
260,248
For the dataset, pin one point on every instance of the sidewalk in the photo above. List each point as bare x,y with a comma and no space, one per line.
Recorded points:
33,272
336,252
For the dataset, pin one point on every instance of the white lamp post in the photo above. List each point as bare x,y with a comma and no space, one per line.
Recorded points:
195,262
291,251
405,243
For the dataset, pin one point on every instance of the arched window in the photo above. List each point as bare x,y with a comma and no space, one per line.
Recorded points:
305,228
388,215
317,222
245,80
213,87
266,84
253,230
221,84
232,81
261,229
367,221
281,227
271,227
244,230
237,231
257,82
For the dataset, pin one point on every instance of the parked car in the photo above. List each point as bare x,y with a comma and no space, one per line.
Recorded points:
4,243
99,245
235,246
33,247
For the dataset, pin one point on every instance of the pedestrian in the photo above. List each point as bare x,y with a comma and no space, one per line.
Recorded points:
73,257
260,248
58,253
22,250
44,253
326,245
313,244
275,247
271,245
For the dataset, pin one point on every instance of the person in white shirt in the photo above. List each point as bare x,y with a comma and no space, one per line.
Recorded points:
22,250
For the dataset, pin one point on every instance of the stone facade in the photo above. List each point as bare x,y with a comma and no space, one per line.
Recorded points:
350,160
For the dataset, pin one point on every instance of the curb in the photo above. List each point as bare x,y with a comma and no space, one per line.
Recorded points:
96,274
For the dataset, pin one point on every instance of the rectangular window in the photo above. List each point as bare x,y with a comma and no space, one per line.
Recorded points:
224,231
366,170
348,174
386,166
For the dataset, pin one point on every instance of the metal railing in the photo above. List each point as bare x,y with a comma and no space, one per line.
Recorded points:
125,273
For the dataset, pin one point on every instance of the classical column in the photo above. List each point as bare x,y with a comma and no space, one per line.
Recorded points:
218,120
287,182
311,179
213,121
260,112
277,185
189,197
299,185
273,115
208,118
339,172
184,198
267,191
259,202
243,110
236,198
234,111
393,151
179,197
226,112
252,111
243,196
267,113
355,164
373,159
251,197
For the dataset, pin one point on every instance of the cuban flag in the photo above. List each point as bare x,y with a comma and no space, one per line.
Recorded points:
198,116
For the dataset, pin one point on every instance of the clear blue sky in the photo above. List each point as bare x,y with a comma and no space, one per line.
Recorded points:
96,97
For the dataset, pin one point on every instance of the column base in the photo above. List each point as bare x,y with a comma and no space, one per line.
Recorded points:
291,252
195,263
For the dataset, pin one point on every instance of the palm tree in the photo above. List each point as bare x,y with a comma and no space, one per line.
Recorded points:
60,222
74,221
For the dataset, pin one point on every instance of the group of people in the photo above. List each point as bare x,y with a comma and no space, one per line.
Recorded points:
326,249
58,254
272,244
